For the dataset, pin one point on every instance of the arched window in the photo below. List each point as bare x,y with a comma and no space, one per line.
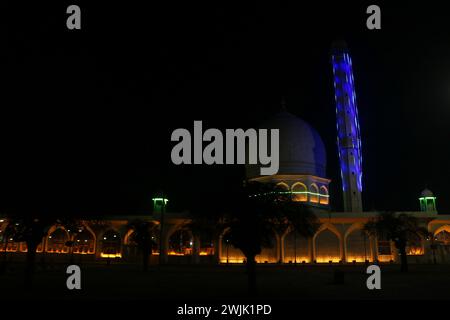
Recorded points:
180,243
56,241
281,186
111,245
314,193
299,192
324,198
84,242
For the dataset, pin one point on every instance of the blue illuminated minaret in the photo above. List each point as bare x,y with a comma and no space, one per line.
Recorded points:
348,139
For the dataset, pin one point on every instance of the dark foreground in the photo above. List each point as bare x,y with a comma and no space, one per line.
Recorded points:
121,281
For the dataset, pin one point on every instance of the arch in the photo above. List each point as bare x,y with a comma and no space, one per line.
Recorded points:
296,248
282,185
130,242
445,227
181,242
323,195
313,193
56,240
84,241
127,237
111,244
442,235
327,244
300,193
357,244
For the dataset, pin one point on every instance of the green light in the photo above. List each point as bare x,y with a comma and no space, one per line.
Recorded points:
427,198
160,199
427,203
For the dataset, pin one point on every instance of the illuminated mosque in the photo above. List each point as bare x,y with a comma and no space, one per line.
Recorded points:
302,172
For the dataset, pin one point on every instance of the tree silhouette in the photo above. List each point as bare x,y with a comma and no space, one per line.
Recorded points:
399,228
143,232
260,210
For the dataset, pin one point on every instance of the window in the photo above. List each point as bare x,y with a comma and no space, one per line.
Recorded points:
314,193
324,198
299,192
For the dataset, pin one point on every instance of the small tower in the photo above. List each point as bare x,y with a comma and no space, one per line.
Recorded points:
158,204
427,201
348,139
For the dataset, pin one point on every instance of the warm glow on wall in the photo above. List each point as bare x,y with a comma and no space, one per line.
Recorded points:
350,259
328,259
232,260
298,259
415,251
385,258
111,255
173,253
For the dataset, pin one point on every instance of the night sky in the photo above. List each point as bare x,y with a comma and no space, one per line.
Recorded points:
86,116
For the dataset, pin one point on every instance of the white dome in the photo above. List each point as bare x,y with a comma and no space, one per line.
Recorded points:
302,151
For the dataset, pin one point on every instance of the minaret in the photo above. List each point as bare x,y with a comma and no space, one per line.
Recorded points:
348,139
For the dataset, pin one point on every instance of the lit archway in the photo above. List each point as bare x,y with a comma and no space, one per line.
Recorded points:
323,196
84,241
181,243
299,192
282,186
111,245
313,193
357,245
56,241
327,244
442,235
296,248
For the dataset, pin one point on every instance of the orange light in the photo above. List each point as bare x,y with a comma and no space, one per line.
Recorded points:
415,252
298,259
356,259
232,260
173,253
111,255
385,258
327,259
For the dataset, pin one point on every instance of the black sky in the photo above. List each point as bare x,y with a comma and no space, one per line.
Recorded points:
86,116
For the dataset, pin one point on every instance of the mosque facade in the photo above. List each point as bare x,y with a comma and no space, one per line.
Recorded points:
302,171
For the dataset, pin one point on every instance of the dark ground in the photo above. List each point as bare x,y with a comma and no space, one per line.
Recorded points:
126,281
